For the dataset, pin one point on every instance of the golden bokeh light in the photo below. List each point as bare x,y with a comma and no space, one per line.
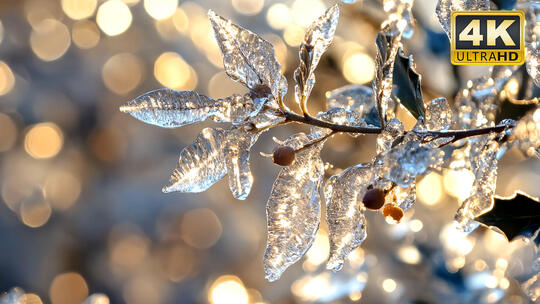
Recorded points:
458,183
305,11
389,285
180,20
114,17
61,189
248,7
8,132
416,225
429,189
30,298
50,40
160,9
278,16
35,212
85,34
358,68
7,79
79,9
409,254
200,228
43,140
319,251
122,73
172,71
129,251
97,298
68,288
39,10
228,289
293,35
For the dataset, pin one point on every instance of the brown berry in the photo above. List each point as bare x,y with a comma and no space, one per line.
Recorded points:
284,156
374,198
393,211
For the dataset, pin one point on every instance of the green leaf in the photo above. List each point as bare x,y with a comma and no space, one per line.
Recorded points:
407,85
515,216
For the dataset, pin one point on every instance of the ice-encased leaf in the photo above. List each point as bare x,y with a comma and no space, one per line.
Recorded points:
357,98
393,129
476,105
293,209
236,153
345,216
200,164
387,47
484,166
247,57
410,159
171,109
317,39
526,134
446,7
438,114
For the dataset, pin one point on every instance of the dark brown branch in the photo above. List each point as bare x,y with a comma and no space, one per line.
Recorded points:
456,134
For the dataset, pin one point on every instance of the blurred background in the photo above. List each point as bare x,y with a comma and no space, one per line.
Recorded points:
82,216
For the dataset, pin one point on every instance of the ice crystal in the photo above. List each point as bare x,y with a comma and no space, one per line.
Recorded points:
247,57
344,214
532,39
393,129
446,7
238,145
477,104
338,116
293,209
171,109
484,166
318,38
526,134
438,114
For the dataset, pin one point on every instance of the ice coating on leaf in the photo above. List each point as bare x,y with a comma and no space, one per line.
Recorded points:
532,43
393,129
446,7
532,60
404,198
337,116
410,159
476,105
484,166
387,48
344,214
526,134
247,57
438,114
200,164
293,209
238,145
400,21
317,39
171,109
353,97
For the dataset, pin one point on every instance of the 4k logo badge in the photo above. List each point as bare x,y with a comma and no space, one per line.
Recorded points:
487,37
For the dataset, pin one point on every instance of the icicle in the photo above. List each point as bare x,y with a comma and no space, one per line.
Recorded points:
236,153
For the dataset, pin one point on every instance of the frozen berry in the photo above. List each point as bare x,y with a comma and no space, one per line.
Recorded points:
284,156
393,212
374,198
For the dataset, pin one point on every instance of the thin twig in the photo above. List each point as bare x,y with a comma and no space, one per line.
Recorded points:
316,141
